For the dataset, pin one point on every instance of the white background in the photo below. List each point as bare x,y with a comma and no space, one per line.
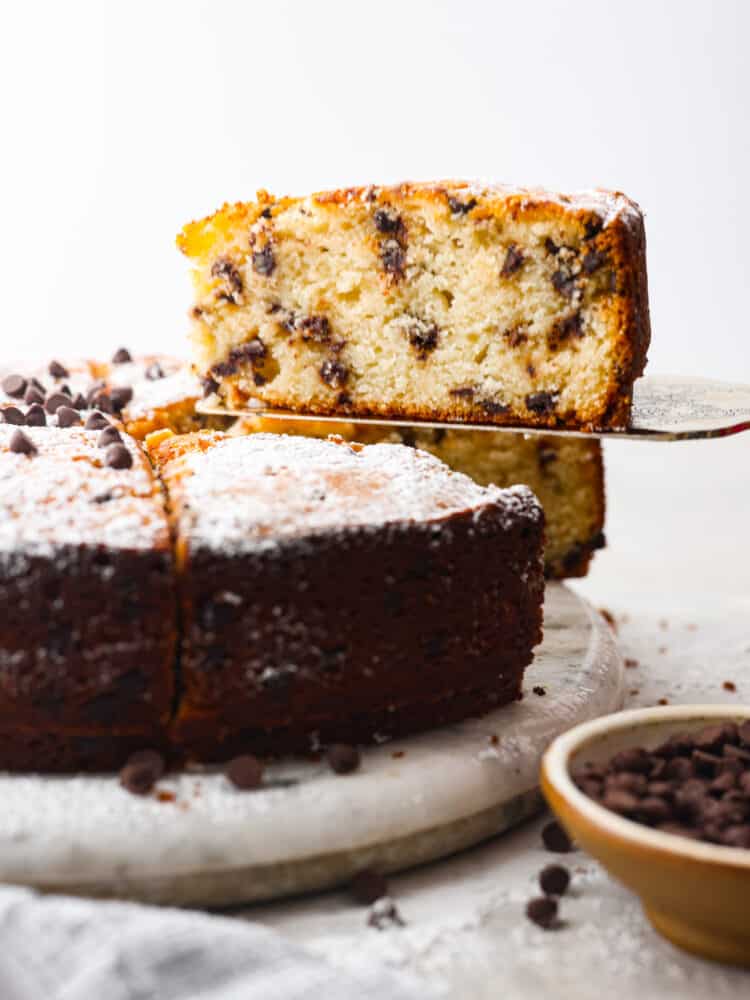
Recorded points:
122,121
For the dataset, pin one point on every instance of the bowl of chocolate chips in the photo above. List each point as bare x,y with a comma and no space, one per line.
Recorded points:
661,797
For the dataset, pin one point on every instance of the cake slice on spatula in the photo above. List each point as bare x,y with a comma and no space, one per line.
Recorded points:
443,302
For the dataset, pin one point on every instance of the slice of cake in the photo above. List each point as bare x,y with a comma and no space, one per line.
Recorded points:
425,301
566,474
88,626
342,592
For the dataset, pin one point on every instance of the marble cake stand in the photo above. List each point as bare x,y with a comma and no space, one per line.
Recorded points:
198,841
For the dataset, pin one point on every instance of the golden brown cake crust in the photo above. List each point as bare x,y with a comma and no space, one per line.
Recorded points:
610,228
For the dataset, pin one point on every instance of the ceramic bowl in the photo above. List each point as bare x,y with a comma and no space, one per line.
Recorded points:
696,894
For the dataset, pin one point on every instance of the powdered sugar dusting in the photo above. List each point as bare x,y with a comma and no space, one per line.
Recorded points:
246,492
66,495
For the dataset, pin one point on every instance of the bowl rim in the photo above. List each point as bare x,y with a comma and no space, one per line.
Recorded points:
555,770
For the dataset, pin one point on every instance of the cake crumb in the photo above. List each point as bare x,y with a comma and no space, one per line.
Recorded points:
729,686
630,663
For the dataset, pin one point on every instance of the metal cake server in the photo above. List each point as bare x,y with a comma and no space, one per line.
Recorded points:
665,408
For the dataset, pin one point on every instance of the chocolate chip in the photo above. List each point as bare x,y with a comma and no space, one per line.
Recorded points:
14,385
209,386
141,772
315,328
21,444
541,402
515,335
121,357
154,372
551,247
227,271
245,772
539,690
593,260
563,330
342,758
12,415
463,392
543,912
264,261
367,886
110,435
556,839
33,395
513,260
387,221
57,370
55,400
554,880
117,456
461,207
104,497
393,258
634,759
67,417
423,337
35,416
78,403
334,373
593,227
384,913
563,283
493,407
120,396
95,421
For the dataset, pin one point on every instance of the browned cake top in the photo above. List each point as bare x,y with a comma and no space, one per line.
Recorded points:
603,206
245,493
60,487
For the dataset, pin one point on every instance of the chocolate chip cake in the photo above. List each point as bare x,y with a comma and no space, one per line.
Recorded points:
566,474
444,301
88,626
339,592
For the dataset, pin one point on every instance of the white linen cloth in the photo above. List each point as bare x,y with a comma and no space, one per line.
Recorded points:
61,948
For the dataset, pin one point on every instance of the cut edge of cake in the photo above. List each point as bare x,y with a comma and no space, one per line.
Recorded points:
448,301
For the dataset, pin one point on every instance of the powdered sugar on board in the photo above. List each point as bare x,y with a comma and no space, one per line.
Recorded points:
245,492
66,494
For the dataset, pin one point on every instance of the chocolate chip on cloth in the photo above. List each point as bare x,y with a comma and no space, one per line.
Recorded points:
121,356
14,386
245,772
21,444
342,758
543,912
141,771
117,456
556,839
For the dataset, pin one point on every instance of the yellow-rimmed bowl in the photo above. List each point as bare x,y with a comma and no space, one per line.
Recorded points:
697,895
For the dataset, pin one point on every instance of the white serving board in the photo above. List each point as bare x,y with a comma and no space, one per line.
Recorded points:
213,845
